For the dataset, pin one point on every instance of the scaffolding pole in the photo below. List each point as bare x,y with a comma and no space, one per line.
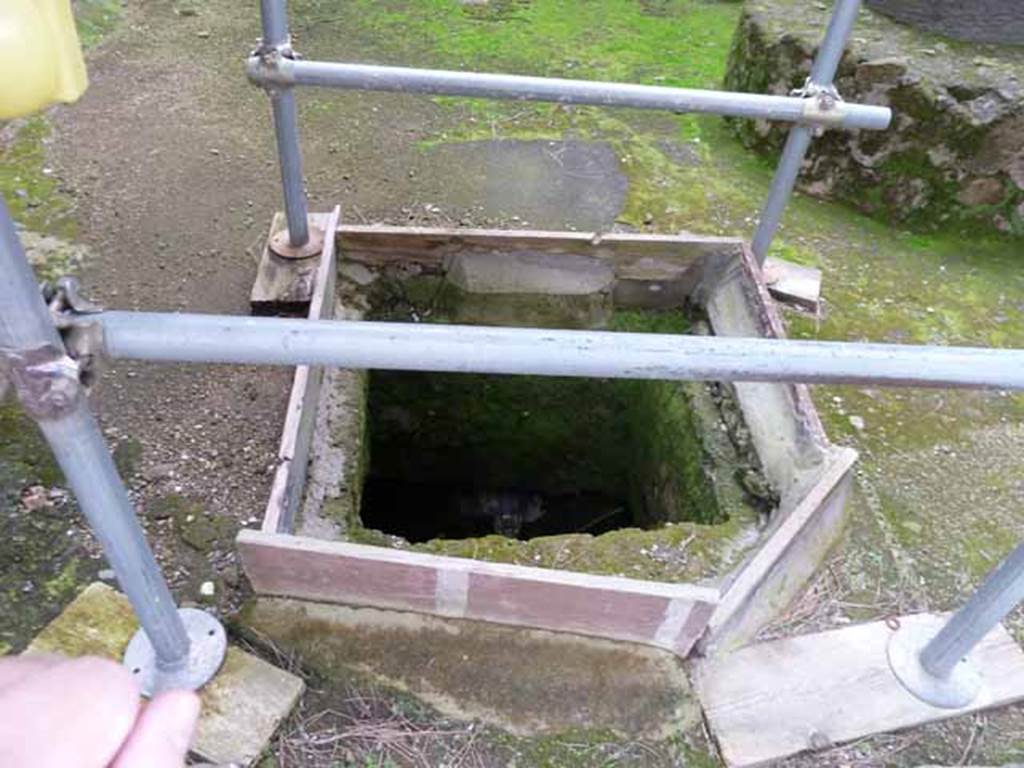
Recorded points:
276,45
823,72
286,73
936,666
543,352
174,649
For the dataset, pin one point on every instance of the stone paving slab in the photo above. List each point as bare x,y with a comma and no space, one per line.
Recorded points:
241,707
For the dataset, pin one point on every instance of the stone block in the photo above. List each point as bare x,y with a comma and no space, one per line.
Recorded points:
242,705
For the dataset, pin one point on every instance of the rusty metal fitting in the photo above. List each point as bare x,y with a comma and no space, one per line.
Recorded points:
45,379
83,339
280,244
268,66
823,106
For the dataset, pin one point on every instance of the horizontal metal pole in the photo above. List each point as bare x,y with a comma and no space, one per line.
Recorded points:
284,72
460,348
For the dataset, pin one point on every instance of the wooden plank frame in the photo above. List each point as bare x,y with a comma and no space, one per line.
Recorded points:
297,435
718,273
670,616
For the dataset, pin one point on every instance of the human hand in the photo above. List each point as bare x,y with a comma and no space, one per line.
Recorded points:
87,713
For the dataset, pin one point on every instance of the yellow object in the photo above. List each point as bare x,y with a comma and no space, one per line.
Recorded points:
40,58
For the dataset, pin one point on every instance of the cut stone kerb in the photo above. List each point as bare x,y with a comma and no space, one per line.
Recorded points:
563,274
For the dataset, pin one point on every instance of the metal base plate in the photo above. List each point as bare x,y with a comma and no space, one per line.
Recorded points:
953,692
209,644
280,245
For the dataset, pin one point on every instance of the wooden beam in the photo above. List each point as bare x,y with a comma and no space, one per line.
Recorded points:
283,286
785,560
670,616
771,700
286,490
634,256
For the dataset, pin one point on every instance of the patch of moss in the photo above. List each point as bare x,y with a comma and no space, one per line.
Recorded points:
29,187
64,584
683,43
25,458
127,455
196,527
95,19
98,622
43,566
674,552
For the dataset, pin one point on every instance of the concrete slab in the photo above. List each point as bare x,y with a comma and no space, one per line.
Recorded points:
548,183
793,283
242,705
529,682
770,700
559,274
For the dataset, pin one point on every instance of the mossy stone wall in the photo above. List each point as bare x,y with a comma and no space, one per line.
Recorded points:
954,154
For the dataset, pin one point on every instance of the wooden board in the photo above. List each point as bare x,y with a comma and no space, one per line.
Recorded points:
284,286
786,559
793,283
634,256
670,616
770,700
783,423
297,435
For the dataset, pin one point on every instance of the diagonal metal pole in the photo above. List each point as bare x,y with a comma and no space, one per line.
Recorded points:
936,666
175,648
823,72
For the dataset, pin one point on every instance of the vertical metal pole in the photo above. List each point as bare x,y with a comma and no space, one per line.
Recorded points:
823,72
999,594
275,36
78,445
47,384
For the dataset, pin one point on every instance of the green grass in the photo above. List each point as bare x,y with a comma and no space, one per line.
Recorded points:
29,187
95,19
678,42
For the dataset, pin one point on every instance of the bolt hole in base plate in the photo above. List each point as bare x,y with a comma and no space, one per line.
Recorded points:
957,690
206,653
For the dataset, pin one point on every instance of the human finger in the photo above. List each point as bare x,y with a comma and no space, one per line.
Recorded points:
73,714
162,734
14,668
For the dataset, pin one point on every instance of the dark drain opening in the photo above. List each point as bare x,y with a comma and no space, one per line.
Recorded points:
421,511
458,456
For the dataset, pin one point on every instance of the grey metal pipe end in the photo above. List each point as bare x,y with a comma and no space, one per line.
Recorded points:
866,116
